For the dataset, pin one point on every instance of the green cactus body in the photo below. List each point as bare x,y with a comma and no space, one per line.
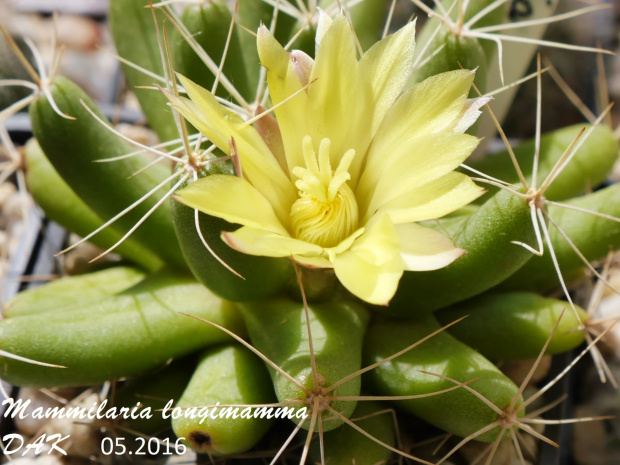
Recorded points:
122,335
230,376
514,325
587,169
74,146
346,445
458,411
121,322
153,390
135,40
209,24
367,18
261,276
62,205
593,236
458,49
337,333
490,258
72,291
457,52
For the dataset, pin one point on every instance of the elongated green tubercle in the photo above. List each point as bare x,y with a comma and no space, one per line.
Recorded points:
346,445
135,40
278,329
593,235
459,411
209,25
261,276
514,325
62,205
126,334
587,169
448,49
73,291
490,258
231,376
75,148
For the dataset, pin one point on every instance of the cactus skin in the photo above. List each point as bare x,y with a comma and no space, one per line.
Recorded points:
126,334
490,259
135,39
228,374
74,146
262,276
515,325
587,170
61,204
594,237
458,411
209,24
340,328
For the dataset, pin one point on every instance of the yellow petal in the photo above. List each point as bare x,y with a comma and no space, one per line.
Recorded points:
255,241
424,249
339,101
388,65
432,200
345,244
470,113
373,266
313,262
232,199
272,55
414,163
283,83
220,125
324,23
430,107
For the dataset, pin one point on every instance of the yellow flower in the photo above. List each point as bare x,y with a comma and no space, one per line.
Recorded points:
354,162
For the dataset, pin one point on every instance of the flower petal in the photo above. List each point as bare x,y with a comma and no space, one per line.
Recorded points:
255,241
232,199
221,125
414,163
424,249
283,83
373,266
471,112
313,262
324,23
432,200
339,100
430,107
388,65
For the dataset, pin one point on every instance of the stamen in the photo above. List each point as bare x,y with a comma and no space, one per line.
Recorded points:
325,166
326,212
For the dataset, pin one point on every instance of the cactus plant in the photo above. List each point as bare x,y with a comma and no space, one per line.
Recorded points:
316,204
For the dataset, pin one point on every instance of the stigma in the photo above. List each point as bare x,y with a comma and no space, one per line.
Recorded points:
326,211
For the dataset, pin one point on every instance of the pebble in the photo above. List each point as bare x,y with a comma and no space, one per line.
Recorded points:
14,207
504,455
6,190
517,370
38,460
140,134
78,32
29,425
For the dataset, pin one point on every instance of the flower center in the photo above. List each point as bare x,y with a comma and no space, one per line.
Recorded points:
326,211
